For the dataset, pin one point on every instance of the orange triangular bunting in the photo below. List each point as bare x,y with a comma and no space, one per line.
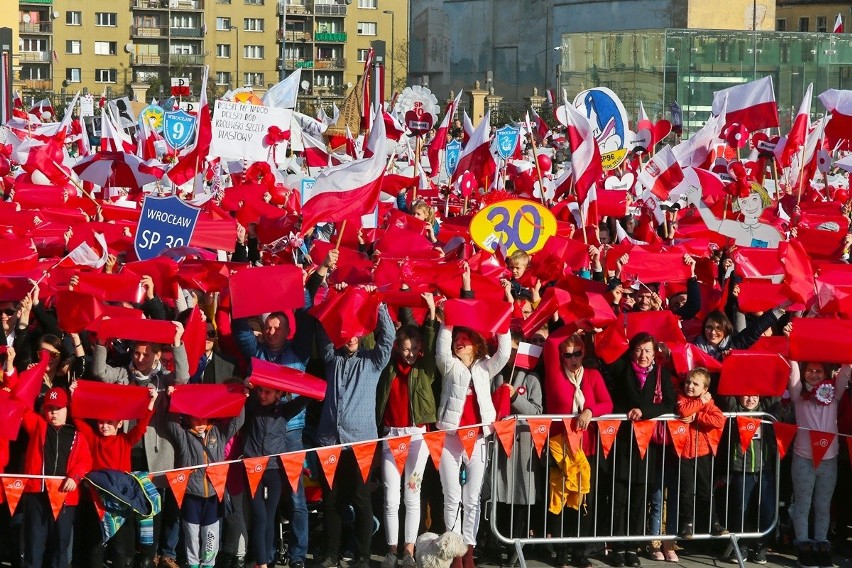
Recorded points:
643,430
328,458
607,429
293,463
364,455
13,487
217,473
57,497
435,443
539,427
573,436
784,434
254,471
714,436
178,480
747,427
468,438
399,448
506,434
679,433
820,441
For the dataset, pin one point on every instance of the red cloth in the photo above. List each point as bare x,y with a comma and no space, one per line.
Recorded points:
112,452
79,461
398,409
470,412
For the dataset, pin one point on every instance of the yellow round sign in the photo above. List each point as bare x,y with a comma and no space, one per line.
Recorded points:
517,224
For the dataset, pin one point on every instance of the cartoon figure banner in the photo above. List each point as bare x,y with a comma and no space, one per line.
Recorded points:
608,117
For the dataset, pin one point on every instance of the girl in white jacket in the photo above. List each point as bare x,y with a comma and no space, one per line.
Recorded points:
463,362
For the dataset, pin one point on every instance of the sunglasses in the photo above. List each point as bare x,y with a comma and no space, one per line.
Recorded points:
53,354
10,311
713,328
572,354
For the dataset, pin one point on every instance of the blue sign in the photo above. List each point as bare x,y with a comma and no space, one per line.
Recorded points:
452,153
507,140
178,128
305,189
165,222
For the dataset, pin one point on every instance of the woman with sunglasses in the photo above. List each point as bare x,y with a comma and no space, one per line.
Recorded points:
718,336
572,388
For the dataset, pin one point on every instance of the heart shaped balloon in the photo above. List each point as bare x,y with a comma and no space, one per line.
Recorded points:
662,129
623,183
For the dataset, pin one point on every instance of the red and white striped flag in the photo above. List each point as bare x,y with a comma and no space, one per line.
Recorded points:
838,25
439,142
751,104
585,156
84,255
799,131
476,156
315,153
528,355
662,173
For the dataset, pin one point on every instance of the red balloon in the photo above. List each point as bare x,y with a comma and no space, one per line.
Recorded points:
524,183
841,195
544,162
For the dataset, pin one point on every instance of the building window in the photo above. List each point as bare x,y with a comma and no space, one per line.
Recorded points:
223,24
821,24
804,24
781,25
223,78
253,79
253,51
367,28
72,74
184,21
105,75
106,48
38,72
253,24
254,2
31,45
74,47
184,49
367,4
106,19
223,50
362,55
73,18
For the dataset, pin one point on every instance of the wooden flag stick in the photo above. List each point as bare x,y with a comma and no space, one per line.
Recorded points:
538,170
340,235
417,150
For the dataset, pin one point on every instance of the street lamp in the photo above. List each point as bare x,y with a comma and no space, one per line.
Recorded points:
237,79
393,47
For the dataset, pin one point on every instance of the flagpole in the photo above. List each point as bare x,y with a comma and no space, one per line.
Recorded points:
340,235
801,174
78,186
538,170
417,150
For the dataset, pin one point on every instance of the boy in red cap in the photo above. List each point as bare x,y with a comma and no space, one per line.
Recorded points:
55,449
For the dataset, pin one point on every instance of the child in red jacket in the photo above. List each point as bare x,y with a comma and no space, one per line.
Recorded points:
55,449
111,448
696,408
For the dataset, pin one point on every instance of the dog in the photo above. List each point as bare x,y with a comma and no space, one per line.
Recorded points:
438,551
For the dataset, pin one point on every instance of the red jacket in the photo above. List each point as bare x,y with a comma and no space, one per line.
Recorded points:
79,460
708,424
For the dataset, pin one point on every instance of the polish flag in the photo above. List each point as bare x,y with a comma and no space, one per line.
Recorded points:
662,173
642,121
839,104
838,25
476,156
113,137
315,153
528,355
84,255
187,167
467,128
585,156
799,131
751,104
439,141
541,127
348,190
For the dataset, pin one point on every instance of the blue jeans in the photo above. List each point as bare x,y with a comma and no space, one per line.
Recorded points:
744,488
655,499
167,525
298,545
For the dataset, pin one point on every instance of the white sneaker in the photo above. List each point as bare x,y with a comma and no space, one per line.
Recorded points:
389,561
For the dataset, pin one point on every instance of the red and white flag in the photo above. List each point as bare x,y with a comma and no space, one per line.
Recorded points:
541,128
348,190
439,141
476,156
193,161
838,25
528,355
366,106
467,128
839,104
751,104
85,255
799,131
585,156
315,153
662,173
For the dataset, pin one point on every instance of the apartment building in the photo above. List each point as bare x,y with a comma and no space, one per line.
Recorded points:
72,45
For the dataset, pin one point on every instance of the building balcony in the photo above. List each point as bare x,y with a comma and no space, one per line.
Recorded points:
150,60
292,36
36,2
291,9
34,56
193,5
182,59
174,5
330,10
330,37
149,31
334,63
187,32
38,84
36,28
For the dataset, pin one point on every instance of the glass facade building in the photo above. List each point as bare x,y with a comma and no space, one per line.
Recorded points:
660,66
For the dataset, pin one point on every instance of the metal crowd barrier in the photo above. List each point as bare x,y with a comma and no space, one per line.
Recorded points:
520,524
